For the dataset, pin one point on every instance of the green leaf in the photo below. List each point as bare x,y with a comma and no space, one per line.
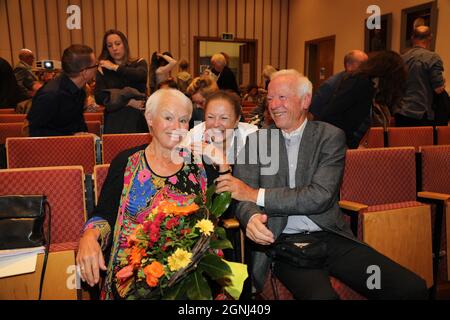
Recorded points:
198,288
221,244
209,194
177,292
221,203
214,266
221,233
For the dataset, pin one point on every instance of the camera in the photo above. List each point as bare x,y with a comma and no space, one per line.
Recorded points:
48,64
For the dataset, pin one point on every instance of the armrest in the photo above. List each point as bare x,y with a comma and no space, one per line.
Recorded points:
433,195
352,206
231,223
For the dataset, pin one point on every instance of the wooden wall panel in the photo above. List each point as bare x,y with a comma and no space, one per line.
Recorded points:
143,27
222,10
5,48
109,13
151,25
132,26
203,18
174,29
15,28
99,25
164,35
212,17
240,18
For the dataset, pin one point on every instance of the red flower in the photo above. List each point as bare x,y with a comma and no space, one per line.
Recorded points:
173,222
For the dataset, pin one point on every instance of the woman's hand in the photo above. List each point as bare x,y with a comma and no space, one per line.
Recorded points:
213,154
108,65
90,257
136,104
239,190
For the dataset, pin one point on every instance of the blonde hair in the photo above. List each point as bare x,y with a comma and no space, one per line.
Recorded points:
204,85
268,71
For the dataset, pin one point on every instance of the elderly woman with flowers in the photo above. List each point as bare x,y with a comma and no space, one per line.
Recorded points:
144,214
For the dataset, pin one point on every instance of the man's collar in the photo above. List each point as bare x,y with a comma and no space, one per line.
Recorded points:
296,132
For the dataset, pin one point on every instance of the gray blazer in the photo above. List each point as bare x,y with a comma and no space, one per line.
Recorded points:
320,167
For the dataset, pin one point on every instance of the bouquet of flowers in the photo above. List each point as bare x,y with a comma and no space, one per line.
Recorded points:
176,253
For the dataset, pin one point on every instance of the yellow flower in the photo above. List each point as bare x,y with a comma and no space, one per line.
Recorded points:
179,259
205,226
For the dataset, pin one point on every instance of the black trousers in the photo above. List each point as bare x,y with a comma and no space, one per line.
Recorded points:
351,262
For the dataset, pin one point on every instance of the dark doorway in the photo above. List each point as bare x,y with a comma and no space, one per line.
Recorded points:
319,59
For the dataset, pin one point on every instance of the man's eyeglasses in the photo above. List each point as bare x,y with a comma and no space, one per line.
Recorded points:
91,67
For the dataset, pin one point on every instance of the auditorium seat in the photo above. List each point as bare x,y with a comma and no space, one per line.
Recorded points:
51,151
113,144
379,193
8,130
409,136
100,173
7,111
443,135
435,171
10,118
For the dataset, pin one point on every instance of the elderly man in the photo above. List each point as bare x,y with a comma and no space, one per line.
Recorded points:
352,61
300,201
22,70
425,78
57,108
225,77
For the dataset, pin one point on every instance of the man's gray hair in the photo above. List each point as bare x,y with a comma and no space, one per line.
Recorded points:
155,100
304,86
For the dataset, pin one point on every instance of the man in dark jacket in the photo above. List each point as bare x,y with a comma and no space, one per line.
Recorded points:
57,108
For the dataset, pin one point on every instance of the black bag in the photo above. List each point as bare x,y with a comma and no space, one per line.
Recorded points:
22,225
22,221
299,250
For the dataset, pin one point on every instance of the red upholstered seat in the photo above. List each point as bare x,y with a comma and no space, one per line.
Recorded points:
7,111
113,144
410,136
51,151
374,138
443,135
10,118
100,173
64,188
436,180
8,130
379,189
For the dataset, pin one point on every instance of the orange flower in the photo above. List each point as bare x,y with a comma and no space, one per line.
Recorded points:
180,211
124,273
132,239
151,281
155,269
136,256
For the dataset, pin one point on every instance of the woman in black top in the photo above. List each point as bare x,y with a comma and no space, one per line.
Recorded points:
121,85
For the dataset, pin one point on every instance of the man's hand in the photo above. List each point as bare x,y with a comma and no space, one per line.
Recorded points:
257,231
239,189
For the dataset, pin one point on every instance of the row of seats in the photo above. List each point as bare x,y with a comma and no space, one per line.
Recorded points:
68,150
377,137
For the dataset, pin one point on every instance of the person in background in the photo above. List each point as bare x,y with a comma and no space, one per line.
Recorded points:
425,78
199,89
121,85
160,68
32,86
184,78
10,92
169,83
352,61
23,70
57,108
267,73
225,77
